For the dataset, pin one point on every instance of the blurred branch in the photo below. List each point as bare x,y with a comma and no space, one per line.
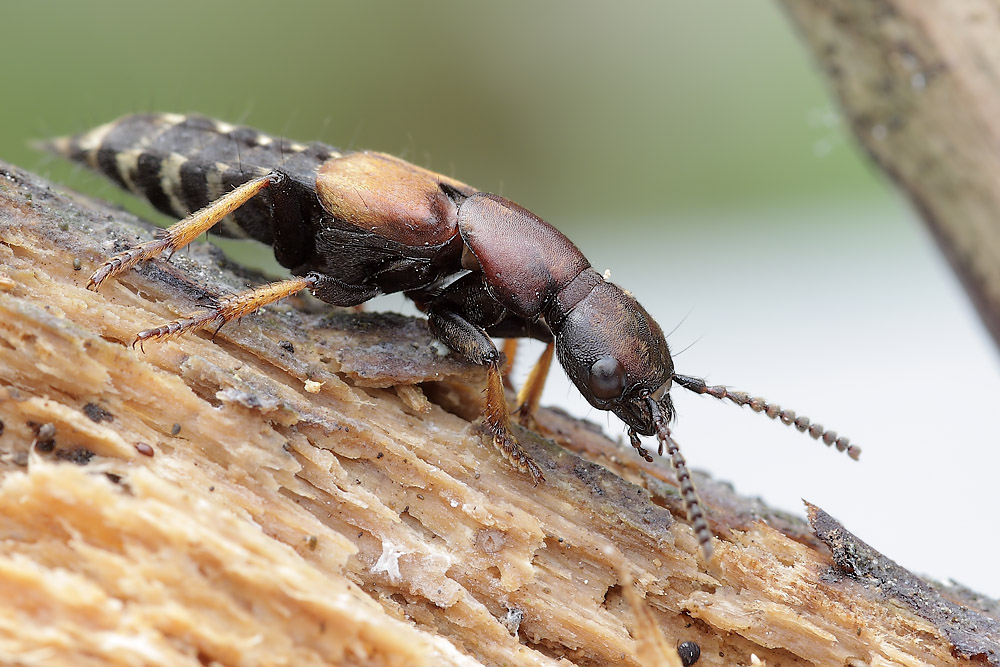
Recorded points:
919,83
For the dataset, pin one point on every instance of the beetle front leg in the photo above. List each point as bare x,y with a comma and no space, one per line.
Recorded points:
475,345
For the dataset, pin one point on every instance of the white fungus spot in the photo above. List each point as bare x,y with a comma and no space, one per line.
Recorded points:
388,562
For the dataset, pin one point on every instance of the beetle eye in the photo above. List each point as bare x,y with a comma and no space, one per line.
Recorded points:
607,377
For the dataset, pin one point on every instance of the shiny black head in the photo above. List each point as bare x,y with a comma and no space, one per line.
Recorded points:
617,356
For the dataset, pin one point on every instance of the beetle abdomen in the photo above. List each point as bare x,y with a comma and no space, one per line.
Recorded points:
182,163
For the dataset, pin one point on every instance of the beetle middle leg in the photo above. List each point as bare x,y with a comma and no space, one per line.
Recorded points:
229,308
473,343
235,306
530,394
509,355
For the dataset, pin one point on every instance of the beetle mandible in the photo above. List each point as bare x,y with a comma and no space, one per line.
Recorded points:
353,225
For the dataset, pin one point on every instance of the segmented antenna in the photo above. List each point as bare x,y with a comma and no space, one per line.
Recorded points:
695,512
772,410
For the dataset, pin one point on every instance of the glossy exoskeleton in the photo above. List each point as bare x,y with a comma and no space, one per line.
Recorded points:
351,226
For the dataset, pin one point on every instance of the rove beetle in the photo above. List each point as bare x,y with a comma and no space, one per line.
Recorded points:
352,225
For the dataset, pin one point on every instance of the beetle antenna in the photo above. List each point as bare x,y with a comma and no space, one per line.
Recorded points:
693,506
772,410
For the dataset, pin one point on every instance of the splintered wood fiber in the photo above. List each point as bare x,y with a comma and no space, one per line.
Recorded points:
270,497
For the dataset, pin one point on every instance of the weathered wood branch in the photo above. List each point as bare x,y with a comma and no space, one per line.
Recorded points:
919,83
309,488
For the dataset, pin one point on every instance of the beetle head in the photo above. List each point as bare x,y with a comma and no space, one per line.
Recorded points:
617,356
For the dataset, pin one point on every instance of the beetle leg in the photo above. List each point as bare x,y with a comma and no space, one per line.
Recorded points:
509,354
474,344
497,418
338,293
531,392
182,233
228,309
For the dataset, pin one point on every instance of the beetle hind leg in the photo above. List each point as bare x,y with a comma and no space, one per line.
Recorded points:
184,232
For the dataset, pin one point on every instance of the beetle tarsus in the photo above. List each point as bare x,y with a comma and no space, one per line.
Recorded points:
124,261
176,327
228,309
517,457
497,419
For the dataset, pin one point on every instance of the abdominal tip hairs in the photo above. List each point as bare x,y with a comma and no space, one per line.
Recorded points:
61,146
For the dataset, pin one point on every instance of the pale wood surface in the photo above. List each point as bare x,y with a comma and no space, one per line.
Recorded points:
919,84
318,494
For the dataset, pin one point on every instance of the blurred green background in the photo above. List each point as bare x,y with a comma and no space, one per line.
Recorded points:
690,146
584,112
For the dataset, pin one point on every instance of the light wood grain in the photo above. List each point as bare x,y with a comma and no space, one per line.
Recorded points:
318,494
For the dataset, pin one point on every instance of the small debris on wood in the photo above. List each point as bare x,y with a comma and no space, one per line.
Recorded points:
974,635
97,414
689,653
512,620
79,455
